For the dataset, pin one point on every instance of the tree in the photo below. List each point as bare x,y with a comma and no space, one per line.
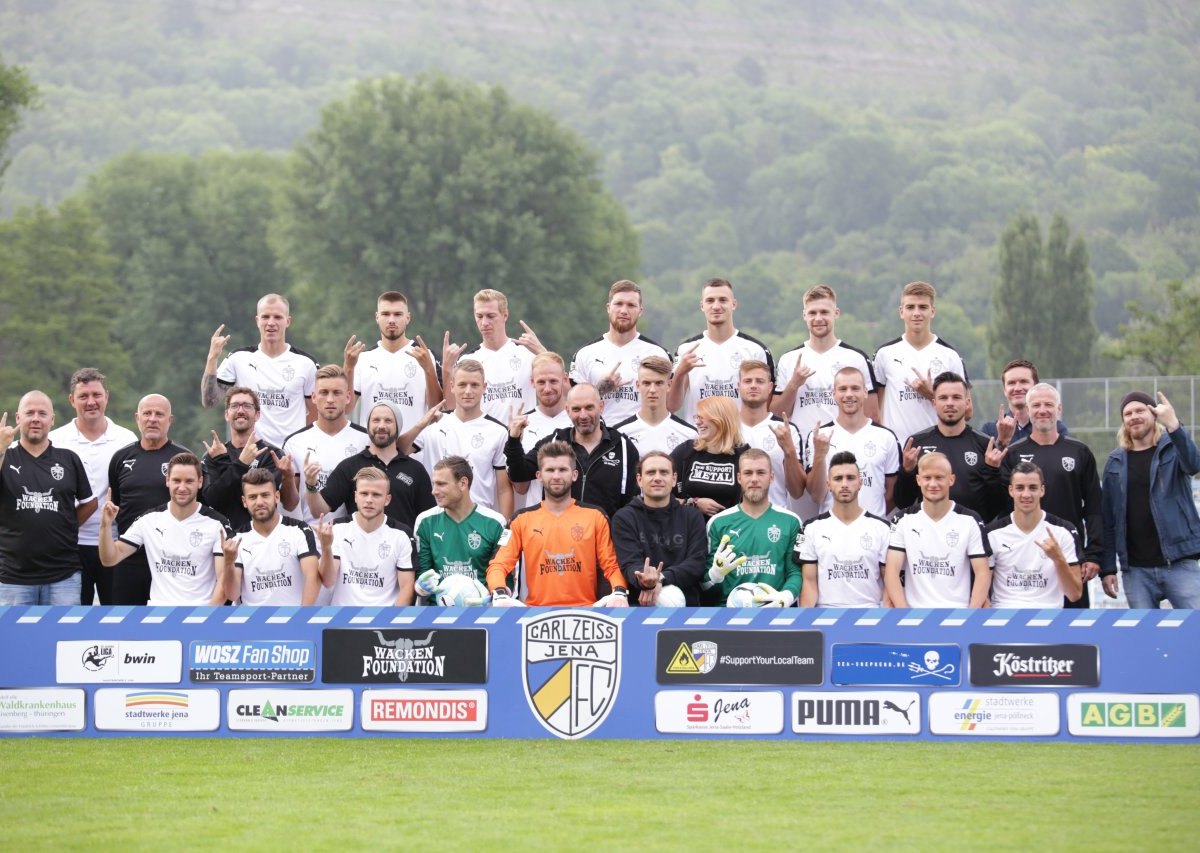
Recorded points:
1166,336
439,188
1042,308
58,301
190,239
17,93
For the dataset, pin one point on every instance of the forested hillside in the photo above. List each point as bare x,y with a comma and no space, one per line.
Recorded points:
780,144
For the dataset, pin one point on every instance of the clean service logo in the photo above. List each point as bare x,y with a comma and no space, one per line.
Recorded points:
892,664
994,714
119,662
118,709
1034,665
262,661
857,713
424,710
1170,715
572,670
282,710
720,713
42,710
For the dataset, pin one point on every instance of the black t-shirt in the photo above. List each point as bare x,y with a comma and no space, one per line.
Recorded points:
1141,533
1072,486
138,479
39,534
412,492
976,484
707,475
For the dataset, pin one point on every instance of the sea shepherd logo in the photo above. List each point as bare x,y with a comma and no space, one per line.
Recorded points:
572,670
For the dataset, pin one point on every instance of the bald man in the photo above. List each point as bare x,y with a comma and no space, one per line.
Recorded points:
137,477
44,496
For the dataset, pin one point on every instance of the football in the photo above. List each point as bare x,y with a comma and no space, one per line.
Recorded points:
461,591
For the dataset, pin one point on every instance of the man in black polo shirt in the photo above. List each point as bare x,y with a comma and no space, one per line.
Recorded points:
137,477
411,490
44,496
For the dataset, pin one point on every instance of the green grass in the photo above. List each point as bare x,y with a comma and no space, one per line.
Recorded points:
424,794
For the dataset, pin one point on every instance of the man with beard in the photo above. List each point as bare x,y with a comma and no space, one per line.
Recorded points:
611,361
44,495
754,542
874,447
137,476
940,545
607,460
770,433
365,560
844,550
399,370
95,438
274,561
182,541
409,483
331,439
660,542
974,458
1017,377
1070,475
1150,521
551,383
566,547
225,463
653,427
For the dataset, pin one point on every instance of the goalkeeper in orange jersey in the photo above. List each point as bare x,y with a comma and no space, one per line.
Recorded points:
566,546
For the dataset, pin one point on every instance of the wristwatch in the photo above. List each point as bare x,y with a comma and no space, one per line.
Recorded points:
312,487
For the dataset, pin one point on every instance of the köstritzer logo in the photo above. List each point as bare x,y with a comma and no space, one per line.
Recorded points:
572,670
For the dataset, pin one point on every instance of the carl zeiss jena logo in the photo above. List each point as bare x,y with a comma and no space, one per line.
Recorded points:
571,670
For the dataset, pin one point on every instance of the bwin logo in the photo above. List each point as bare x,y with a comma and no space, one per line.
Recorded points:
138,658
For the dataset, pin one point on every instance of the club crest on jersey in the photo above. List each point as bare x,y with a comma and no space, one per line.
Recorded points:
474,540
410,370
165,465
952,538
866,541
477,440
348,451
769,442
57,472
869,448
285,549
736,359
971,458
773,533
571,670
577,532
384,550
1068,463
936,366
195,538
289,373
514,363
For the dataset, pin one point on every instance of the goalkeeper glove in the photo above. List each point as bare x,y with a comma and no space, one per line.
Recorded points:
427,583
768,596
724,562
503,598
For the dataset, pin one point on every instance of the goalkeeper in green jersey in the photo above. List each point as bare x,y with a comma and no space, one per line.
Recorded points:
754,542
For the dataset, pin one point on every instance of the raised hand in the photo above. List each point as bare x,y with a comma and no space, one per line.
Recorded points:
994,455
1165,413
783,435
217,343
108,513
911,454
284,465
650,576
689,360
451,352
217,448
353,349
324,531
420,352
529,340
312,470
517,421
921,383
229,546
250,451
7,433
1006,427
801,375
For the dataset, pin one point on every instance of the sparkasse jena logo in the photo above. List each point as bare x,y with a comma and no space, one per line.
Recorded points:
725,712
571,671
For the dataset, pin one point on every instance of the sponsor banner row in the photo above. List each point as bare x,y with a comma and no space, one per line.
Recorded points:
120,709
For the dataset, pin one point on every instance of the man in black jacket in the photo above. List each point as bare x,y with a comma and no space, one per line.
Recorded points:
226,462
661,544
607,459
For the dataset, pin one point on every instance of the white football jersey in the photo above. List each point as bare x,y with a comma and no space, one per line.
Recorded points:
665,435
1022,574
391,377
509,375
282,384
329,450
814,401
95,456
181,554
938,555
717,374
596,360
479,441
762,437
368,563
878,455
271,564
905,412
848,557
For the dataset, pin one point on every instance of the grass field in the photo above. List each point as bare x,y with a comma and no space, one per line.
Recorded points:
423,795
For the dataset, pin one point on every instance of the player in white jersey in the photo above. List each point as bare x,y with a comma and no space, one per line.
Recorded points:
274,561
778,438
706,365
471,433
653,427
939,544
330,439
907,366
281,375
550,383
611,361
183,541
804,375
507,362
367,562
400,370
94,438
1035,555
874,446
844,550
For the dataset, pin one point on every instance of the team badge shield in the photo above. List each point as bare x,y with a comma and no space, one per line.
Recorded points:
571,670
